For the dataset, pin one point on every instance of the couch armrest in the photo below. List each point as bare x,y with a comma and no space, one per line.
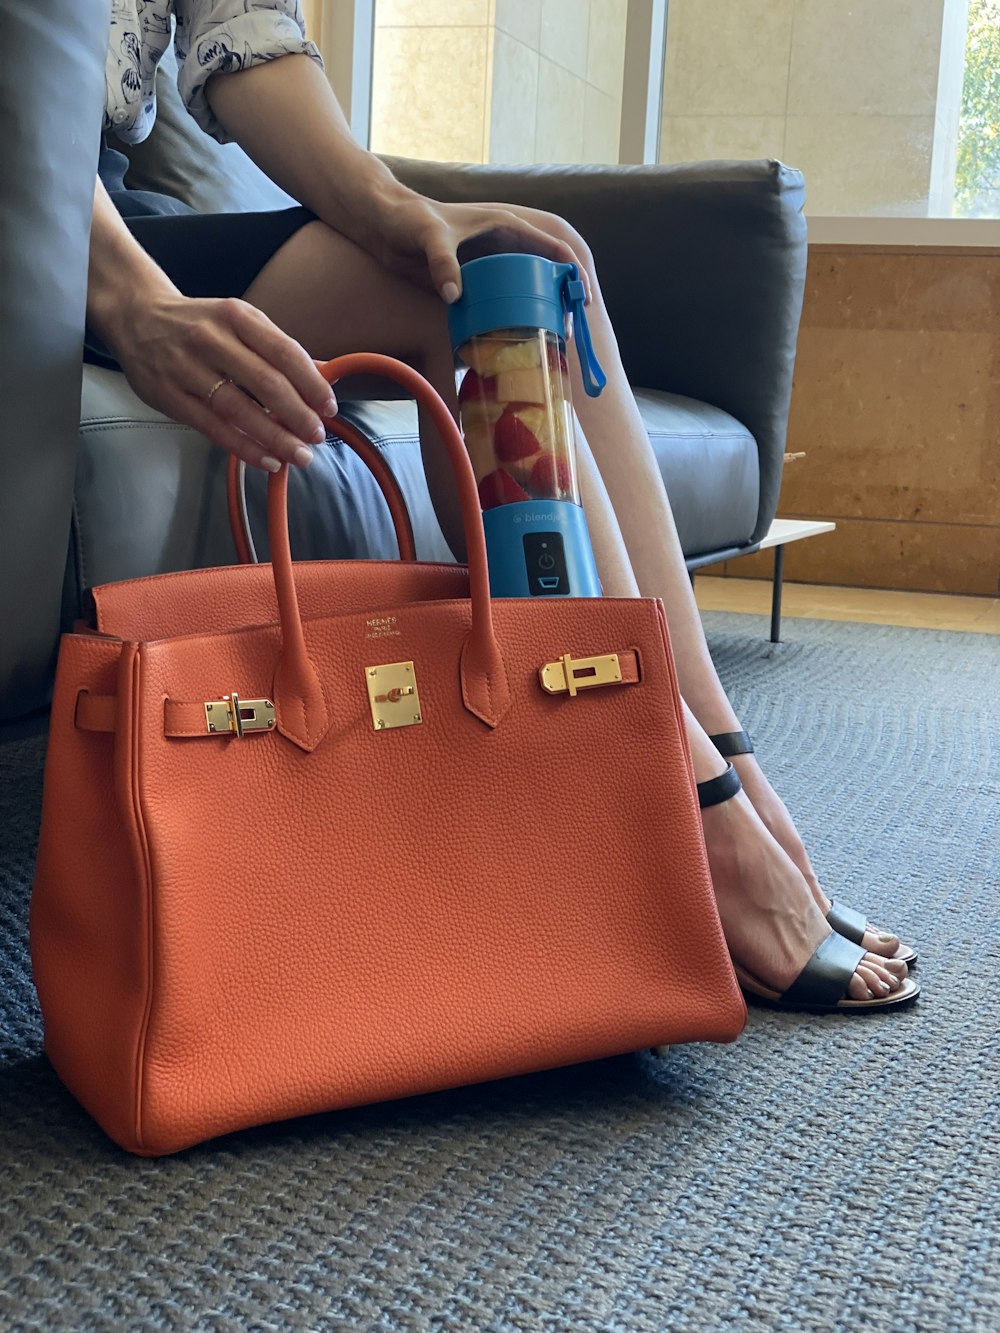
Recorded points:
51,95
702,267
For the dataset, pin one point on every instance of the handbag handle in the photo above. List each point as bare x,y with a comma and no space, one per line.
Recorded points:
302,713
239,518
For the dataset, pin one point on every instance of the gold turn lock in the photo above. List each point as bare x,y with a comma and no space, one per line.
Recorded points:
571,674
234,716
392,694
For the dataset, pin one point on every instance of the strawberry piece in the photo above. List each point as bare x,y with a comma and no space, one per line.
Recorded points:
477,387
513,439
550,477
500,488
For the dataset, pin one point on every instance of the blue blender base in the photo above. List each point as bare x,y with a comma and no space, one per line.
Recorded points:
540,548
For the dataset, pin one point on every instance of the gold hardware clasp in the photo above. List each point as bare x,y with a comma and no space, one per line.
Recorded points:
570,675
235,716
392,693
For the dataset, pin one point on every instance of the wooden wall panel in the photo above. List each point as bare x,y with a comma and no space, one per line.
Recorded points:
896,404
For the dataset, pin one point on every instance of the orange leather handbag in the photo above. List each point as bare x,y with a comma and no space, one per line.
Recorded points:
323,834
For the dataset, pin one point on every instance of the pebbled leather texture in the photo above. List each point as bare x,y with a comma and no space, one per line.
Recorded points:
162,606
230,932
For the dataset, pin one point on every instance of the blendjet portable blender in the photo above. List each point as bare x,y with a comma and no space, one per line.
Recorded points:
509,329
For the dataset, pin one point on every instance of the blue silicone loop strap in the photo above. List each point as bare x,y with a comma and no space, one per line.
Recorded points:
575,295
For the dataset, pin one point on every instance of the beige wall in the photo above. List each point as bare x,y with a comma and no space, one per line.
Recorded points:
498,80
557,80
849,93
431,79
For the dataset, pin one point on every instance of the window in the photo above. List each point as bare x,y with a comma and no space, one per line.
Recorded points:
891,108
977,177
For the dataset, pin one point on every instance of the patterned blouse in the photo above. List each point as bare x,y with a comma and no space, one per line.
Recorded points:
212,36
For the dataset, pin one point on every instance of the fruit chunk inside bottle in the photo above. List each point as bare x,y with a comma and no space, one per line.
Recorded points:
517,417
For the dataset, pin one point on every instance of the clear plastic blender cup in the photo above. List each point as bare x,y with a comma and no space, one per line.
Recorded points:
516,414
517,417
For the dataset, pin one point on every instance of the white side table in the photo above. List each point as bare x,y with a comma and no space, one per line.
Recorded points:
779,534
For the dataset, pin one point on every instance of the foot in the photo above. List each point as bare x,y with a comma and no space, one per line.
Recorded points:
778,822
771,918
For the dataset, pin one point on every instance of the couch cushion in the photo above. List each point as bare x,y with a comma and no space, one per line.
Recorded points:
709,465
151,495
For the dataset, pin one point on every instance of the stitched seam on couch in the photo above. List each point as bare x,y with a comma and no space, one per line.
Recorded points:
104,424
79,544
126,423
695,435
377,442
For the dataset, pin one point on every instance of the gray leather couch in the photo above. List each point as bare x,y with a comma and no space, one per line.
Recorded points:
702,268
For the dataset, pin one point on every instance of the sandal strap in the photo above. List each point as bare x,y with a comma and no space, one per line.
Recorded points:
826,976
847,922
713,791
729,743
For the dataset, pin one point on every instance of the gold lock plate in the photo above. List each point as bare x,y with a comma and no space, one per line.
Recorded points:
571,674
234,716
392,693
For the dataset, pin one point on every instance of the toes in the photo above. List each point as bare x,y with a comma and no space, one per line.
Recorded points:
878,984
880,942
857,987
880,978
887,970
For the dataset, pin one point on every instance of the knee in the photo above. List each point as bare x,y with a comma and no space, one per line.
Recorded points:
558,226
560,230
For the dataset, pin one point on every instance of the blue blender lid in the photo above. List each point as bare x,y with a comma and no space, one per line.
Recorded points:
519,291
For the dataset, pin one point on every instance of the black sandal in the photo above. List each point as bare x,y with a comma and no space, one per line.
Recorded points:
846,921
822,985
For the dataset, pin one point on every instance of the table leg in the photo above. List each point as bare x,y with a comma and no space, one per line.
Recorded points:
779,574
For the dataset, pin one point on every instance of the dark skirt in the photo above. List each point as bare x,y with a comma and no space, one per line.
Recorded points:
203,254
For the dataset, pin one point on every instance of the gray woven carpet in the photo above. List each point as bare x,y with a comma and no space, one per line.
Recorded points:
821,1174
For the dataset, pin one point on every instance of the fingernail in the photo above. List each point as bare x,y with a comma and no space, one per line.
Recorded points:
450,292
885,985
885,938
271,464
331,408
303,456
319,435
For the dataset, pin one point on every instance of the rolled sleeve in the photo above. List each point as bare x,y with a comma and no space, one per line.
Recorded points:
226,36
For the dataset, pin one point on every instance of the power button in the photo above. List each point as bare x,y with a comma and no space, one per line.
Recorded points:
545,564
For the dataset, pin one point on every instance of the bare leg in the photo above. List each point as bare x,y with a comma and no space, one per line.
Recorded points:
635,489
770,921
334,298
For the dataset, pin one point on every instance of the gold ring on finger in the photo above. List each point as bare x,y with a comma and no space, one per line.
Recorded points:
217,386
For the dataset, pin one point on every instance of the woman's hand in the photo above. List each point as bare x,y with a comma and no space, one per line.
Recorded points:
218,365
426,241
204,362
